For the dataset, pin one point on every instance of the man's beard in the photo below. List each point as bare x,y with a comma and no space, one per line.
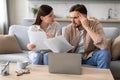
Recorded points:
79,27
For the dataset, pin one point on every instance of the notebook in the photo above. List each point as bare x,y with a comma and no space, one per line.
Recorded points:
64,63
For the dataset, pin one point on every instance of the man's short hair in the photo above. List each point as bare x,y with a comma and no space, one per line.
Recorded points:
79,7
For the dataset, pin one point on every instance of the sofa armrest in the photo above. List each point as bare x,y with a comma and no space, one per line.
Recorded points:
116,49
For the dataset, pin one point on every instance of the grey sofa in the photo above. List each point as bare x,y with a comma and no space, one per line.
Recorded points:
22,37
112,32
21,34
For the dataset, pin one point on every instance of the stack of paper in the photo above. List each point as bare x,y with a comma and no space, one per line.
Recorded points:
57,44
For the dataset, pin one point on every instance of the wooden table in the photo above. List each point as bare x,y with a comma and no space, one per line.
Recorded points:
40,72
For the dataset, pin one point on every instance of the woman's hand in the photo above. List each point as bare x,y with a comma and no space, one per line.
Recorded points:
31,46
49,35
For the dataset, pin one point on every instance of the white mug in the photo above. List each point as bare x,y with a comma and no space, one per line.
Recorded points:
22,64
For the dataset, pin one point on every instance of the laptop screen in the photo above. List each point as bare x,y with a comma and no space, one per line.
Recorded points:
66,63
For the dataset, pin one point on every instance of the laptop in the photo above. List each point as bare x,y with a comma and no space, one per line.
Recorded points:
64,63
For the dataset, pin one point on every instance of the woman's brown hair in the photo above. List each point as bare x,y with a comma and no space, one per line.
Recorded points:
43,10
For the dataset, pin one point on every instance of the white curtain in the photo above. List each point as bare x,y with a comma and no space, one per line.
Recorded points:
3,16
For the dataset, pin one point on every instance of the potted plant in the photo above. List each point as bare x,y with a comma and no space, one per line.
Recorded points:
34,11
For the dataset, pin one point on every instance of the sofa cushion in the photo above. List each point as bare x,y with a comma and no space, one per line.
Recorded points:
111,32
9,44
116,49
14,57
21,34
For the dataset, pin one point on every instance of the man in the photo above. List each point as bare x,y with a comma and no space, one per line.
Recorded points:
88,38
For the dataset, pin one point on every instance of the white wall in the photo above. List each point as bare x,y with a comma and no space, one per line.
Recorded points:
18,10
22,8
98,9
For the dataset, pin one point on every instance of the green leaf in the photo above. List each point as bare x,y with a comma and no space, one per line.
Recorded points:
34,10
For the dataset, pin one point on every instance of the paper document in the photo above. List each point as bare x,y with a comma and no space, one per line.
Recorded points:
38,39
57,44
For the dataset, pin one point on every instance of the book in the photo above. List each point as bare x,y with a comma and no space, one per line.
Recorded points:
56,44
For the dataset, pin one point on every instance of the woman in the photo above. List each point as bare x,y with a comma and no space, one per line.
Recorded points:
44,22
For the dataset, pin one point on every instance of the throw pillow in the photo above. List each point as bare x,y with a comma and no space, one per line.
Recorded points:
116,49
9,44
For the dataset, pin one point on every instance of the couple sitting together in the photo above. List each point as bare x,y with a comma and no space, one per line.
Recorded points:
87,36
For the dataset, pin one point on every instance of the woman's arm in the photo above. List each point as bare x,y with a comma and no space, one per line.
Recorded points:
58,29
31,46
